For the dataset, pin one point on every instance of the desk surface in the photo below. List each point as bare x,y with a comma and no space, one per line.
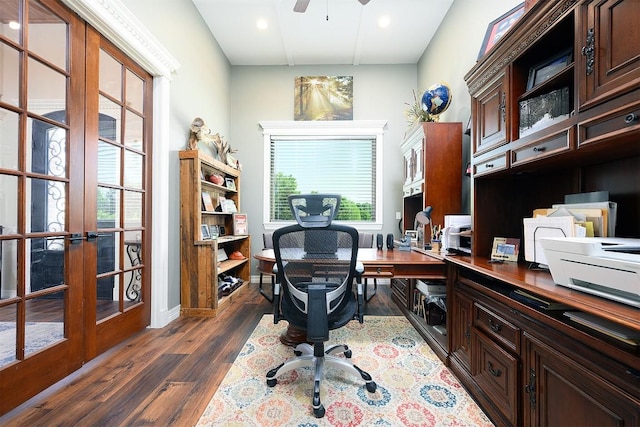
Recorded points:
380,263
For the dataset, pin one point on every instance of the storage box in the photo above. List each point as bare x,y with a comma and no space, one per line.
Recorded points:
541,111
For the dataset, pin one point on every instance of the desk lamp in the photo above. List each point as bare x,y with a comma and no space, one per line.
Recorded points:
423,218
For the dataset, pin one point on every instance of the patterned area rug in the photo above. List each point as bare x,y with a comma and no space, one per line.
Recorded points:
38,336
414,387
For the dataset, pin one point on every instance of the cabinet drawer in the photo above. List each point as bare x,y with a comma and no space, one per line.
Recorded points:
379,271
491,165
496,327
496,373
620,123
556,144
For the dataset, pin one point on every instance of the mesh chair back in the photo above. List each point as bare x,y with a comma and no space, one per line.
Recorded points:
320,256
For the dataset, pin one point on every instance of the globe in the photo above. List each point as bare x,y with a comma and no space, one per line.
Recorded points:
436,99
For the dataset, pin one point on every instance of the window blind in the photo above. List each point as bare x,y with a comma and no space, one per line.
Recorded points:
336,165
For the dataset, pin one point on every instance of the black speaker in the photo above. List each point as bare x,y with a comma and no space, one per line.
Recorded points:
390,241
380,241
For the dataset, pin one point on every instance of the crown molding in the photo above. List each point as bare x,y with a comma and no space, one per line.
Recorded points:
114,21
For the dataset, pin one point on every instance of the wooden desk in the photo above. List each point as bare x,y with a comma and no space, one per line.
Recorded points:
378,264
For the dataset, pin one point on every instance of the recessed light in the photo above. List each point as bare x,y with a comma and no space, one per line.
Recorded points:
384,21
14,25
262,24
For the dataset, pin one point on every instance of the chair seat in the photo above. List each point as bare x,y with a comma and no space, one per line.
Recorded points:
338,319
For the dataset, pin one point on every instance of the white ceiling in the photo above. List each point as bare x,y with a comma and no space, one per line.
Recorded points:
351,34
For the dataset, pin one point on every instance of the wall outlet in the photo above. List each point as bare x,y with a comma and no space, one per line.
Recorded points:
398,215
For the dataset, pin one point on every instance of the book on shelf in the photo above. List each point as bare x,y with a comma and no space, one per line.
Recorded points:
537,302
207,202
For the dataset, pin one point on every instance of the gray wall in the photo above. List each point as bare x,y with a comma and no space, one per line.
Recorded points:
233,99
266,93
199,88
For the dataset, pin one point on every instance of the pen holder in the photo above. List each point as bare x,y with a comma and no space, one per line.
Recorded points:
435,245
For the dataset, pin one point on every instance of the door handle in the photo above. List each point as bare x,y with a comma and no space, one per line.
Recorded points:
91,235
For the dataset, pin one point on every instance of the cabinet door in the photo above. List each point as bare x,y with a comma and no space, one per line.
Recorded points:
561,392
491,113
609,50
460,327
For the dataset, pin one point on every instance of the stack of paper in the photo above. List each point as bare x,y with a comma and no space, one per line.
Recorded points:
591,219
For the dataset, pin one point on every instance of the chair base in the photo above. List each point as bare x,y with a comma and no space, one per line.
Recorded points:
306,357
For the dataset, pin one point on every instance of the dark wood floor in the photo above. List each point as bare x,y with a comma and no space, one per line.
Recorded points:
161,376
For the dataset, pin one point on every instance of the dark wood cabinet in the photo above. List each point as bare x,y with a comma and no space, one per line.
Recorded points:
492,110
608,47
535,367
525,365
433,171
561,392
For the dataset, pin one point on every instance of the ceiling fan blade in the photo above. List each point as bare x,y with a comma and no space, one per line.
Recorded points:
363,2
301,6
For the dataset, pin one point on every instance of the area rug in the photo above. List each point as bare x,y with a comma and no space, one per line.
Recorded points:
38,336
414,386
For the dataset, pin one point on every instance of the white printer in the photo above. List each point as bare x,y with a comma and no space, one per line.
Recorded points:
607,267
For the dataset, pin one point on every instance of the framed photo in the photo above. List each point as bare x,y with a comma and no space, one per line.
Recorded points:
498,27
240,225
214,231
230,184
505,249
204,232
549,68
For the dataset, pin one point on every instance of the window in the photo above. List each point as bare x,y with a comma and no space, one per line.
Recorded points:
339,157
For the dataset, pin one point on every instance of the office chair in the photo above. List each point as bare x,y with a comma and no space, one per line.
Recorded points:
314,289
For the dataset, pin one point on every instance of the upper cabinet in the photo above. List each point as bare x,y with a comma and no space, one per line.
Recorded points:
555,111
433,171
608,47
490,106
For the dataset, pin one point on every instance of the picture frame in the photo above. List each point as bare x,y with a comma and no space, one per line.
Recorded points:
498,27
338,90
204,232
505,249
240,224
548,68
214,231
230,183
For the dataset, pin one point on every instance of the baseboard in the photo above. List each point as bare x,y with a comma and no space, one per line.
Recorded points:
166,317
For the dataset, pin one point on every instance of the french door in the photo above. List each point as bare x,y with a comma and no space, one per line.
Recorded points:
75,132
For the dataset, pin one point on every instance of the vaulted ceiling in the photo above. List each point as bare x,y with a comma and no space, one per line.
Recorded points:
329,32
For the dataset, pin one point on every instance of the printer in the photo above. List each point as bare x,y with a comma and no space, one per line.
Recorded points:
606,267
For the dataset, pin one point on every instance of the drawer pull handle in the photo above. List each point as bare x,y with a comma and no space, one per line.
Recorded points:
494,372
488,165
630,118
539,149
379,270
495,327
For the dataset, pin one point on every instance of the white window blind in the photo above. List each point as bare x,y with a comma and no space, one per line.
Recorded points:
335,165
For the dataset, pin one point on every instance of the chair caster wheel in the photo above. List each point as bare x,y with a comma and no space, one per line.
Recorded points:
371,387
271,382
319,412
347,354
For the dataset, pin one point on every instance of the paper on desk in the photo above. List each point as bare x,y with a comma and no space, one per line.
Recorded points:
542,226
597,216
609,213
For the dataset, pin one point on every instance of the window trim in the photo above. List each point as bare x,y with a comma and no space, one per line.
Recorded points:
339,128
